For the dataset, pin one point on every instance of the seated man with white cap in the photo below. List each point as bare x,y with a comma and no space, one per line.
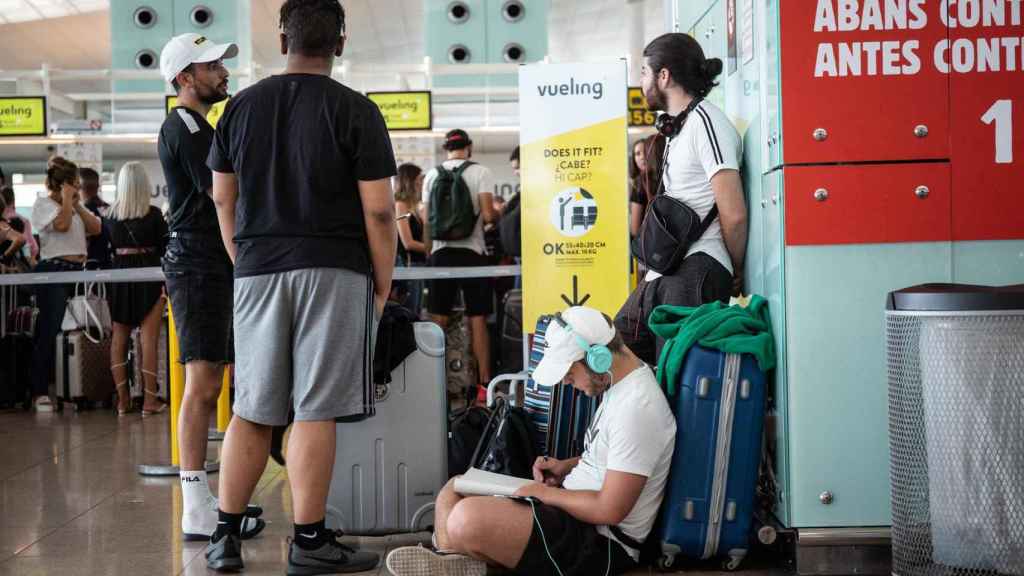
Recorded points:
586,515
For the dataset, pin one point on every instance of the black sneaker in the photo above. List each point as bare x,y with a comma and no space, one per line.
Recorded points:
332,557
225,555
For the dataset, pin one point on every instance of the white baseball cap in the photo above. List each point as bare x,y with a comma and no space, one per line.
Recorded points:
191,48
587,326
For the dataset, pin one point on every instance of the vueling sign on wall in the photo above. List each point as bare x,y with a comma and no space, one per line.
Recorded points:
575,231
23,116
404,110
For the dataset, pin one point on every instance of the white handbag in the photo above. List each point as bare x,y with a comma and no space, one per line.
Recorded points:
88,311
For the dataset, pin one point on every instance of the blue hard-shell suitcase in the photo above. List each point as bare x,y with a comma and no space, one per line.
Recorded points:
709,501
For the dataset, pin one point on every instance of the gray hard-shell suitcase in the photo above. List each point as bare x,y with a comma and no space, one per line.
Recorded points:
389,468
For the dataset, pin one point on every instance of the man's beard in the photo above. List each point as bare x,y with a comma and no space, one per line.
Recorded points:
210,96
655,99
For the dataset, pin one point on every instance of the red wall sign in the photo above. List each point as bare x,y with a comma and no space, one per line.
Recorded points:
857,83
897,80
986,58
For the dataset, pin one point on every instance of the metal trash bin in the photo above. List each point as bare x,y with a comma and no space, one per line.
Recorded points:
956,429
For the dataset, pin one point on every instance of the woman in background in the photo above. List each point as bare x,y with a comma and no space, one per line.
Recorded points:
637,166
13,218
11,239
645,177
411,249
138,236
63,224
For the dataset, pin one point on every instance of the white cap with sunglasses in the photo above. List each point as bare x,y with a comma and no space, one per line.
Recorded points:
187,49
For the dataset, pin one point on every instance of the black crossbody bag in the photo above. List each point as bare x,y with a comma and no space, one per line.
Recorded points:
670,226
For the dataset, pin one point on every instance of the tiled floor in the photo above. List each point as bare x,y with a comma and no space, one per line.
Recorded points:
71,502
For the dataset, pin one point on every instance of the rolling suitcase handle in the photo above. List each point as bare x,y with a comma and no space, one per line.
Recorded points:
492,387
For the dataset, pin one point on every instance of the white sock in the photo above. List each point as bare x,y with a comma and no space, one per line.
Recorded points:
197,516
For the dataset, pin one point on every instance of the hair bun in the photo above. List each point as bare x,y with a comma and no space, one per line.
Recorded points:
712,67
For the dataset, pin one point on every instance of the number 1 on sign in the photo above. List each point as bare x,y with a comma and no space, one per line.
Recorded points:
1002,114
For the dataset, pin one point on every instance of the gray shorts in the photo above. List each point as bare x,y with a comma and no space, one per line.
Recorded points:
304,340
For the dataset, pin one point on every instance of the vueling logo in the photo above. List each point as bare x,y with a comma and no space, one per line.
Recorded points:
200,40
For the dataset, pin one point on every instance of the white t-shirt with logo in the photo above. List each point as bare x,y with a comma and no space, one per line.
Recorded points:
707,144
54,244
479,181
633,431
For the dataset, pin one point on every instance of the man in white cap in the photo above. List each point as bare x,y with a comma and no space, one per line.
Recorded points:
582,516
198,270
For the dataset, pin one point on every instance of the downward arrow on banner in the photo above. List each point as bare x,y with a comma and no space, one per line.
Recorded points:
576,301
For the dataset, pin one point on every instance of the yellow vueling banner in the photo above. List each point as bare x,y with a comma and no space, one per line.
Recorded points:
215,112
23,116
404,110
575,204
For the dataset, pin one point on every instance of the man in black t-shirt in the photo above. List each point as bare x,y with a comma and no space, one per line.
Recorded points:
99,245
197,268
302,182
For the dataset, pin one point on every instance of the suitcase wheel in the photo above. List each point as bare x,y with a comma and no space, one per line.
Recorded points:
666,562
732,563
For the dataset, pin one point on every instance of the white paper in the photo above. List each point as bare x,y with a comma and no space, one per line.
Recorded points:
477,482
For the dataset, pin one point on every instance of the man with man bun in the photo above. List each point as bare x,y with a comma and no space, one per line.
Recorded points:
701,169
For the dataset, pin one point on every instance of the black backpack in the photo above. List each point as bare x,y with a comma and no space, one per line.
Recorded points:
451,205
465,428
507,445
510,228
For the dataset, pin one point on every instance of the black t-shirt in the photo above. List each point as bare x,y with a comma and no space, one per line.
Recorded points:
150,231
98,245
637,194
416,228
299,144
185,140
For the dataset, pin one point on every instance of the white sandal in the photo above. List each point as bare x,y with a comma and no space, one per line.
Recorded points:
161,409
117,388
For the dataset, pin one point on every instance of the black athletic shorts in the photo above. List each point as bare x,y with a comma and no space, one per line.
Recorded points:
478,293
576,546
200,285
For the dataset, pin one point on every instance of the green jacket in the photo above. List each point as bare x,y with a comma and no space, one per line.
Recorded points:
731,329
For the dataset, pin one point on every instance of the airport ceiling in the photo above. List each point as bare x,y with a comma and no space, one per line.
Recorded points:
71,34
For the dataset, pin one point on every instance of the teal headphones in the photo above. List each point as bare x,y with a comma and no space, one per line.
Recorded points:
598,356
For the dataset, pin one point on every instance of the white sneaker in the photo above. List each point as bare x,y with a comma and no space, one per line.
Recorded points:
197,525
43,404
420,561
251,510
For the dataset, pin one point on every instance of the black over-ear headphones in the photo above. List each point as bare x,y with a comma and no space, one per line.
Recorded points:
669,126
